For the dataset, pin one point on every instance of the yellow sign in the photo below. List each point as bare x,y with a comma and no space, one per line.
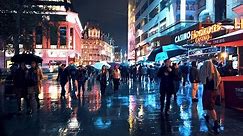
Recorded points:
205,34
238,23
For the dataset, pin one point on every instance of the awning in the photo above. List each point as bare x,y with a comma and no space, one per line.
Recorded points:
230,39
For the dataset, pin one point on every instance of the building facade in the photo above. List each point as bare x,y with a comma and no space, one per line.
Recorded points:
96,46
157,18
157,22
61,42
57,41
131,29
117,54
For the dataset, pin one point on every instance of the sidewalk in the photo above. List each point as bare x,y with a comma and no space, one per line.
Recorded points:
133,111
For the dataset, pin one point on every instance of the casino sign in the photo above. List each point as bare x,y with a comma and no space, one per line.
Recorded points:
198,36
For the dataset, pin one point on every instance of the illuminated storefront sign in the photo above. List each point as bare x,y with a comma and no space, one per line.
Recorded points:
238,23
182,37
205,34
198,36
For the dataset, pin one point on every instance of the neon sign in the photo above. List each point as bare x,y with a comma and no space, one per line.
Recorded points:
205,34
182,37
198,36
238,23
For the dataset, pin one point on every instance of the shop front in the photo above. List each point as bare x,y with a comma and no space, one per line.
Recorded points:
233,85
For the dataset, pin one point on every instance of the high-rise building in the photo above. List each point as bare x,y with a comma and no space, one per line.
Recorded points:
96,46
131,29
155,19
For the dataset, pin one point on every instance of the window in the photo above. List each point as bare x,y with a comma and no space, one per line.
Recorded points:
53,35
137,15
137,40
201,3
138,27
163,4
162,24
151,1
71,38
190,17
144,7
63,36
154,12
144,21
144,36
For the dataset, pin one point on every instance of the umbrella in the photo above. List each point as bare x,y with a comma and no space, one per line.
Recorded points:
27,58
168,54
171,50
113,64
98,65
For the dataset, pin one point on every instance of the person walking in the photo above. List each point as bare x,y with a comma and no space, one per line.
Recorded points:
166,85
144,72
194,79
116,78
72,79
210,78
63,79
20,86
103,77
82,77
151,73
34,78
176,79
184,70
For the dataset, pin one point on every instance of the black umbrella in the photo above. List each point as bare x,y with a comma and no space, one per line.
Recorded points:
168,54
153,54
169,51
26,58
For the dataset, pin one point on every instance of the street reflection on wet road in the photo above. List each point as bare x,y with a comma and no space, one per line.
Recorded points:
134,111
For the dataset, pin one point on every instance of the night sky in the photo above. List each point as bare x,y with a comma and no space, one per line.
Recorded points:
111,15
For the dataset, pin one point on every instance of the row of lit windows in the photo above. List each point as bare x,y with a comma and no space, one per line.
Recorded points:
190,5
52,35
151,15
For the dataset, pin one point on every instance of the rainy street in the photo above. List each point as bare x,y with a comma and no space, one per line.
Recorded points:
132,111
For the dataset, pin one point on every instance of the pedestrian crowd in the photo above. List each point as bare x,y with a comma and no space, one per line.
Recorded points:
172,77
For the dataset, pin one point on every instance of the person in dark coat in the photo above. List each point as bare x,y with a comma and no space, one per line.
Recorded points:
20,86
82,77
176,79
184,70
103,77
194,79
63,78
34,83
72,78
166,85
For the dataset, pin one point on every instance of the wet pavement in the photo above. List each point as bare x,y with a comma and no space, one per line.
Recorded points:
132,111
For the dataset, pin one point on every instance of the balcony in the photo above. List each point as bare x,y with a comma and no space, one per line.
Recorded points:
238,6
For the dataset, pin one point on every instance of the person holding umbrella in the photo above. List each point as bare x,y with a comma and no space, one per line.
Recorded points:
34,78
20,85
